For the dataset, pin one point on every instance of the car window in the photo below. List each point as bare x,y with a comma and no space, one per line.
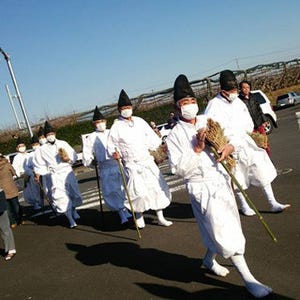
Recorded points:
259,98
282,96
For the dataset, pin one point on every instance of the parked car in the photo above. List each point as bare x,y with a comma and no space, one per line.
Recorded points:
267,109
288,99
164,130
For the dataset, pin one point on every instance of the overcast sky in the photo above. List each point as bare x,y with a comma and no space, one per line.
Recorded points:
70,55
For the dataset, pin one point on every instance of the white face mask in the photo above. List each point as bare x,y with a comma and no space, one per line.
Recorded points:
22,149
232,96
43,141
101,126
126,113
189,111
51,138
35,147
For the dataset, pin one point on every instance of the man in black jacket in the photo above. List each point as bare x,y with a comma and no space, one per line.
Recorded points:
256,113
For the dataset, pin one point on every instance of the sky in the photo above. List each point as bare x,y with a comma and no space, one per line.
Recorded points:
70,55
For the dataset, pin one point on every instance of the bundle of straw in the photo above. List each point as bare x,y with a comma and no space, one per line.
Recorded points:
160,154
63,154
261,140
215,136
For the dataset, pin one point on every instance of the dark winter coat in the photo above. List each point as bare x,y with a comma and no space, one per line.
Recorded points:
254,109
6,179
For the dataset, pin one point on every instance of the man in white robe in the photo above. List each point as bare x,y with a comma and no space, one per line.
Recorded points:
42,170
253,165
209,189
22,164
133,138
95,152
36,195
58,156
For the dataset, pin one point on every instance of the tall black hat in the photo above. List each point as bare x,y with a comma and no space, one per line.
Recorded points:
97,114
228,80
182,88
48,128
34,140
40,132
124,99
20,141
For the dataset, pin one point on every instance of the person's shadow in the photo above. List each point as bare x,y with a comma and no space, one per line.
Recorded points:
162,265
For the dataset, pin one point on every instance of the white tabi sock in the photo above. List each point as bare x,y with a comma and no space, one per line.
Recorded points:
245,208
256,288
210,263
161,219
275,206
140,222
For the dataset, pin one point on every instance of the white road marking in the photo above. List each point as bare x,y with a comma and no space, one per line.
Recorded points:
298,118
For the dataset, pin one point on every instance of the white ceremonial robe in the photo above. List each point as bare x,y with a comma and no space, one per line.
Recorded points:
31,192
146,186
42,170
253,165
113,191
209,188
64,189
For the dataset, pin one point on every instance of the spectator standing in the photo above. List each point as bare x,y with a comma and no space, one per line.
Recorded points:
5,230
154,127
172,121
11,192
256,113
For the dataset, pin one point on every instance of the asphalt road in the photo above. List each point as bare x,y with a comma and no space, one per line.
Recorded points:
101,260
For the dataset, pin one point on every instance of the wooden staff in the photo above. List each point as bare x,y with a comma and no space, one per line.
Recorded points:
128,197
251,204
99,191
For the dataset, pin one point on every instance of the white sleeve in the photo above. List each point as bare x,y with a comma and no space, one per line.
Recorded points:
186,162
87,150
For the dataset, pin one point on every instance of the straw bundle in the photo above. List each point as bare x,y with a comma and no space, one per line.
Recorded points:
215,136
261,140
63,154
160,154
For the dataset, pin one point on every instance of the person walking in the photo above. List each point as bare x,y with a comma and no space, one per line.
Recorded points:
253,165
133,138
95,154
32,192
58,156
209,189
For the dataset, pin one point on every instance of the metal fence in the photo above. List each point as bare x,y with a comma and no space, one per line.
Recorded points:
267,77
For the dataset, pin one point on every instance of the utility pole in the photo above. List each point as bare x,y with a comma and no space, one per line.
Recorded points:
10,97
18,95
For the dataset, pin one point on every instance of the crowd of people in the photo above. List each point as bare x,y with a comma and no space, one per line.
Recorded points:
132,144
